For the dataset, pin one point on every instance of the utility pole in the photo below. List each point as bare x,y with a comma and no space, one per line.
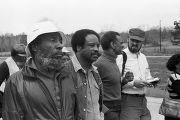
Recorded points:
160,35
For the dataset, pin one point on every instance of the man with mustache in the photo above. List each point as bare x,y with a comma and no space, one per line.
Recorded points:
33,93
83,96
134,103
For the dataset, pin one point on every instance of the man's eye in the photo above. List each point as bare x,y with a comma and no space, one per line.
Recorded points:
54,39
91,45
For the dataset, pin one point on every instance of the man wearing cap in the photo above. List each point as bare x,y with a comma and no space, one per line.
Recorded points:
11,65
134,103
34,93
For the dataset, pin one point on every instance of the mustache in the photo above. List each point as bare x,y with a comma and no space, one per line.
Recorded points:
134,46
56,55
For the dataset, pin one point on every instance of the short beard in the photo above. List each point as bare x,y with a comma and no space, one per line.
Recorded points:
133,51
50,63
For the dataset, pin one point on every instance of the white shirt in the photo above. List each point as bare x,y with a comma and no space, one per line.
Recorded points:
11,65
136,63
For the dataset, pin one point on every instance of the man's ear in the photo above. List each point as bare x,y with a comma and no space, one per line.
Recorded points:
112,45
128,39
79,48
34,48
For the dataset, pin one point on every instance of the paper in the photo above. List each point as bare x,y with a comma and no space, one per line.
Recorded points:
153,80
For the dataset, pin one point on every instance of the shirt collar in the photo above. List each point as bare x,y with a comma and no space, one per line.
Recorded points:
77,66
30,63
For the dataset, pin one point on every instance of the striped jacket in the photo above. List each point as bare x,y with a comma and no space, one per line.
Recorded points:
174,85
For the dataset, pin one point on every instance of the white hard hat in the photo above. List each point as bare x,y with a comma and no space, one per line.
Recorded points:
41,28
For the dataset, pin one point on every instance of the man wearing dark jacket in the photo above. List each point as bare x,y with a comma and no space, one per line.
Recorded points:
112,45
34,93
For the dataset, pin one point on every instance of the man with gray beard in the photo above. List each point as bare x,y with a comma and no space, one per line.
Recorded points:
34,93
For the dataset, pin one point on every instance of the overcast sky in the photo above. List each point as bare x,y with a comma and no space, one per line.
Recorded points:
99,15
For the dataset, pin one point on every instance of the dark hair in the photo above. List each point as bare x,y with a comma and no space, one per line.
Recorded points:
78,38
172,62
107,38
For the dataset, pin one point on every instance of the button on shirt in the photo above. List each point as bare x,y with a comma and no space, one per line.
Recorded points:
136,63
92,110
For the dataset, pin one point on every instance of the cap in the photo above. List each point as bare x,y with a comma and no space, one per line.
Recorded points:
18,50
41,28
137,34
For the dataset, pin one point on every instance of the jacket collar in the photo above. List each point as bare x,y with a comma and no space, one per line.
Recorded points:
30,69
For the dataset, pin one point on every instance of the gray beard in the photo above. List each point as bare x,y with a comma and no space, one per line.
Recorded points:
50,63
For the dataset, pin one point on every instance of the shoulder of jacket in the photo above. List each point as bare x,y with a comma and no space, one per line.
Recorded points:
16,78
100,62
142,54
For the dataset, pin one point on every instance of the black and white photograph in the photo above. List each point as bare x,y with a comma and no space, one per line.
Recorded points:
90,60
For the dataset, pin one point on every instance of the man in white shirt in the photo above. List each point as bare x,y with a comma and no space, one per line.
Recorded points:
134,103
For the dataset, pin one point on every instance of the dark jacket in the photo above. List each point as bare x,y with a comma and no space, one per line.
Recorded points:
4,70
111,77
75,101
28,98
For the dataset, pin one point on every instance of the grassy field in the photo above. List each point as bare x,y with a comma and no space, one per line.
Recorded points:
158,69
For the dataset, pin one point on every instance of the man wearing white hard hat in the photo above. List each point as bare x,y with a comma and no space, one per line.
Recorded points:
34,93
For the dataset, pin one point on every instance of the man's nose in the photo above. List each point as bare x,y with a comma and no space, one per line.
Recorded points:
96,48
59,45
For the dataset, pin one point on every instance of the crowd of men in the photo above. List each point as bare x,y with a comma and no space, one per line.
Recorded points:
86,87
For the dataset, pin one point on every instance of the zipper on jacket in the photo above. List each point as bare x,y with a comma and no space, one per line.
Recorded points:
50,99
